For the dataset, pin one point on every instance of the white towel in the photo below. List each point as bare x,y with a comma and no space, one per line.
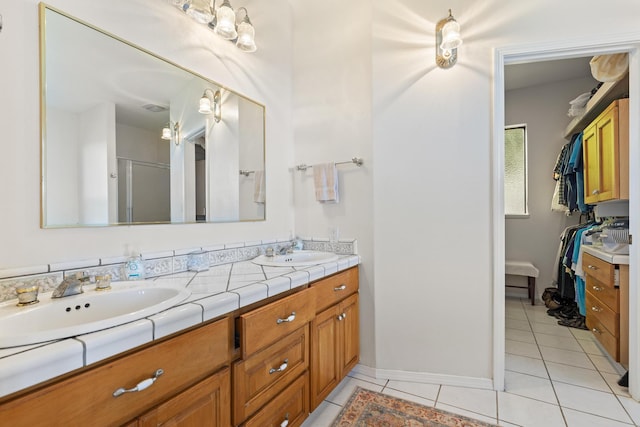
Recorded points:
258,187
325,178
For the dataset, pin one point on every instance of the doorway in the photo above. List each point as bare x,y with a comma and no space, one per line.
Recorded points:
530,54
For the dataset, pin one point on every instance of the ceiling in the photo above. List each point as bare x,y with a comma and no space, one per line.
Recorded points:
519,76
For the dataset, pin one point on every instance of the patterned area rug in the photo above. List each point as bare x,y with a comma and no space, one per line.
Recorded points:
368,408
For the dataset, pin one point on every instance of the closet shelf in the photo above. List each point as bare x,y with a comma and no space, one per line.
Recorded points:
608,92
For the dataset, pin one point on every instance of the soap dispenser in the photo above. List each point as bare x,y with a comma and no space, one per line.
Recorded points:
134,268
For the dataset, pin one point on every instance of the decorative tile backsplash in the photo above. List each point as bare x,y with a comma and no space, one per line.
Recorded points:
47,277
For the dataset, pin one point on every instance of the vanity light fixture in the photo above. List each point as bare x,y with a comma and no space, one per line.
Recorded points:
207,108
171,131
447,41
221,20
246,33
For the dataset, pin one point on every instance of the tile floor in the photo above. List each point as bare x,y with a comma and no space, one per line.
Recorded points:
555,376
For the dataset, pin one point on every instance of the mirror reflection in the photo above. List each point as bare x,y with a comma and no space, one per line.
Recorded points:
129,138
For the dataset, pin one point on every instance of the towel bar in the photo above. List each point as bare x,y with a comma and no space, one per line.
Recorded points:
357,160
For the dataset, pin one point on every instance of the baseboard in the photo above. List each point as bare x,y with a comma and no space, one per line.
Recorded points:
424,377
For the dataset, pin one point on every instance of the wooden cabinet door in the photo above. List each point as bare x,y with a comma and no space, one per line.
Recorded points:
206,404
591,161
349,328
325,364
607,134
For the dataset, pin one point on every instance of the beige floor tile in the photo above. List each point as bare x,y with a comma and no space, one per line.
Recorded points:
465,413
425,391
582,377
530,386
323,416
581,419
526,365
566,357
475,400
341,394
528,412
522,349
590,401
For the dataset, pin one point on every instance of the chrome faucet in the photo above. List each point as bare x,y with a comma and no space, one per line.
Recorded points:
287,249
69,286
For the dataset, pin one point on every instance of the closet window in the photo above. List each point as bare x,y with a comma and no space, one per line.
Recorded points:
515,171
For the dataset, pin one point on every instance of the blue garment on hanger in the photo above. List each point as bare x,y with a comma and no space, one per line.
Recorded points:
575,164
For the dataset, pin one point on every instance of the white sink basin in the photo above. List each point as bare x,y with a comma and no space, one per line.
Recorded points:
296,259
56,318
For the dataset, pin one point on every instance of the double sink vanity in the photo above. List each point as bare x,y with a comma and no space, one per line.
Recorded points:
254,343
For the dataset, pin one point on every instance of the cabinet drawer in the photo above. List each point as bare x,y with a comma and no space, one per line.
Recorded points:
335,288
88,397
265,325
292,405
598,269
608,341
265,374
607,317
606,294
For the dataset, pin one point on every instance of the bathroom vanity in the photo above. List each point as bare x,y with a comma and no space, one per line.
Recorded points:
268,363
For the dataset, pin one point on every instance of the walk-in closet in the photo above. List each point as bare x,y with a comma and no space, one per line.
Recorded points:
567,214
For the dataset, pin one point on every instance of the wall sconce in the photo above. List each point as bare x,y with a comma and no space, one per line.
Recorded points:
221,20
447,41
206,107
171,131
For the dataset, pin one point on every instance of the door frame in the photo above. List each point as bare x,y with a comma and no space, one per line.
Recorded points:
545,52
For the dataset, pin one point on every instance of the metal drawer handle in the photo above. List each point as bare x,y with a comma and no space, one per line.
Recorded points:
596,191
340,288
281,368
596,309
140,386
291,318
342,316
592,267
285,423
597,288
597,331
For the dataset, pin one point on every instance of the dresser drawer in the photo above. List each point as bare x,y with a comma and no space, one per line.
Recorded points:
87,398
265,374
291,405
598,269
605,315
335,288
606,294
608,341
265,325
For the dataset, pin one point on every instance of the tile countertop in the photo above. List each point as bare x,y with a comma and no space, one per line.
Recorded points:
215,292
609,257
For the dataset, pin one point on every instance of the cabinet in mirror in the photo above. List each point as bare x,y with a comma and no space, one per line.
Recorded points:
124,142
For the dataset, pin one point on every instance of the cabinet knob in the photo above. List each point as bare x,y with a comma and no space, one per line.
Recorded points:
291,318
596,309
596,330
285,423
595,192
340,288
592,267
140,386
596,288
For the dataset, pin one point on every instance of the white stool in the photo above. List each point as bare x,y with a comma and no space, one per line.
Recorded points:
523,268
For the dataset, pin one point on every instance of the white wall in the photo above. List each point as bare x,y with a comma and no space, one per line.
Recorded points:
544,110
366,81
155,25
332,115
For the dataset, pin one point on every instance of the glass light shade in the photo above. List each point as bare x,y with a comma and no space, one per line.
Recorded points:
226,22
205,105
200,11
166,133
451,35
246,37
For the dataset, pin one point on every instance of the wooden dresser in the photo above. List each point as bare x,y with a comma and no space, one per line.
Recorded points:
607,305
